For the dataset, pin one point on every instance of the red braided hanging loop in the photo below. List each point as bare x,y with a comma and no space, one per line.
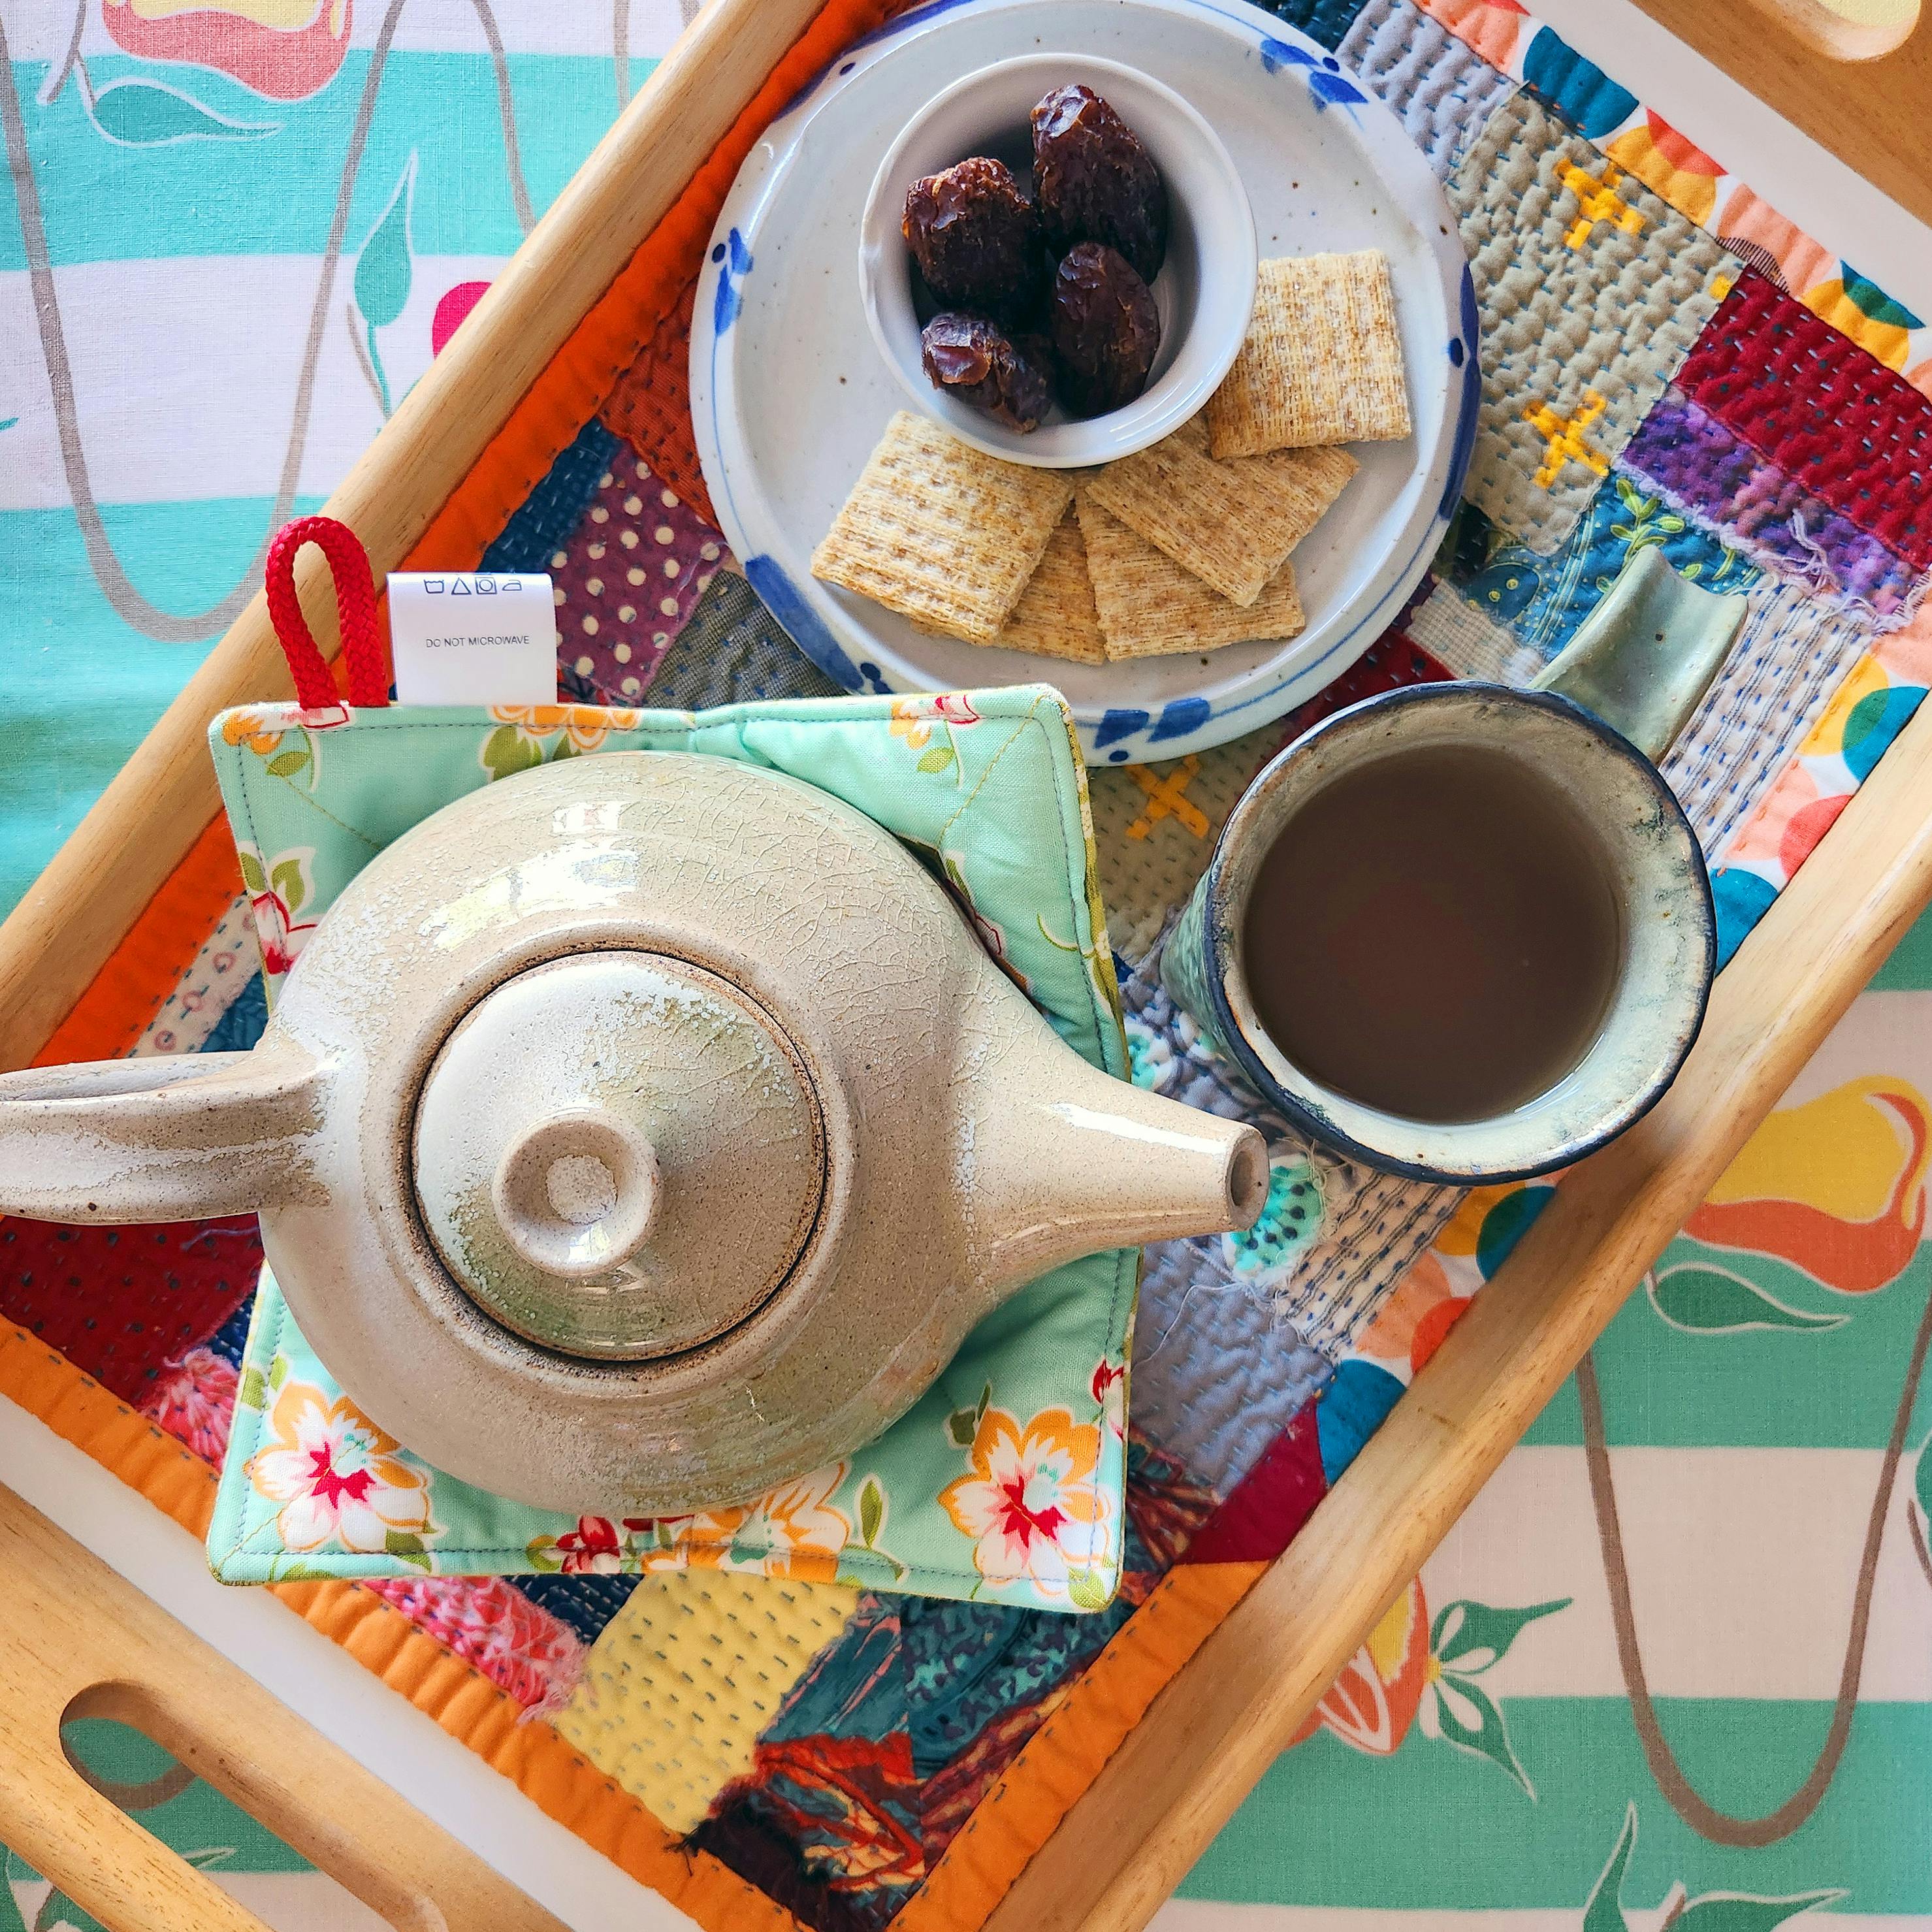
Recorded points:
355,612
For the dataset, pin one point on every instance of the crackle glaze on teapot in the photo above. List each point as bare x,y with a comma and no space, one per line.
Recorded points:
636,1131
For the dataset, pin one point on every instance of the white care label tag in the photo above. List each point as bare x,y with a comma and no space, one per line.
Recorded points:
472,639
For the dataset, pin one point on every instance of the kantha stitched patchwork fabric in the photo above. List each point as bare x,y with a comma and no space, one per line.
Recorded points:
794,1748
1544,597
1799,393
1703,469
1591,291
1441,89
1697,185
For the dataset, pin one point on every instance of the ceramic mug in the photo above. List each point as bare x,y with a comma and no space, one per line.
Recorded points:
1592,724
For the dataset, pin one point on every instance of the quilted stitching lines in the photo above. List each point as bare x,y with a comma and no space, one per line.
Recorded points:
1851,432
1443,90
1597,200
1591,291
1566,438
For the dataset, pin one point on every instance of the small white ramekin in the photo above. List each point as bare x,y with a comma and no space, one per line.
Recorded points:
1205,290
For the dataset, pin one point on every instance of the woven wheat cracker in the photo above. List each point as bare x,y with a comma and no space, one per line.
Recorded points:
1149,606
1232,524
941,533
1322,362
1055,617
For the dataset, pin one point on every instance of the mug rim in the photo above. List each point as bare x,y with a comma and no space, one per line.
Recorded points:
1221,933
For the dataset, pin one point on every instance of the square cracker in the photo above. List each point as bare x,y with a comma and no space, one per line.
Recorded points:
940,532
1232,524
1149,606
1322,362
1055,617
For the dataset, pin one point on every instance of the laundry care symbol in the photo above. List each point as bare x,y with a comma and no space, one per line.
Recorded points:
469,587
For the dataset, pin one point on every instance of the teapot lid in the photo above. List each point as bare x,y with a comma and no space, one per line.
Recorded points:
619,1155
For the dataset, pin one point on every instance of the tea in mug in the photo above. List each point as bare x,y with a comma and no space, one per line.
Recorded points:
1435,933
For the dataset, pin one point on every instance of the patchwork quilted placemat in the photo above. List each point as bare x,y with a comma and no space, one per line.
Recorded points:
780,1750
1025,1429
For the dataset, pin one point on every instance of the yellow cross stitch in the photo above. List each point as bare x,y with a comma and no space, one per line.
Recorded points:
1168,795
1597,201
1565,438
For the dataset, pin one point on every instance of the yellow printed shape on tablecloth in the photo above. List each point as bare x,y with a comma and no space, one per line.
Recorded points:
1835,1185
1662,159
682,1680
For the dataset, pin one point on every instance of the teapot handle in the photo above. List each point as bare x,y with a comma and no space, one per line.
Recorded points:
173,1138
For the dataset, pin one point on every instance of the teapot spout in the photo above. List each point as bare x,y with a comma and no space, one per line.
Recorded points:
169,1139
1069,1161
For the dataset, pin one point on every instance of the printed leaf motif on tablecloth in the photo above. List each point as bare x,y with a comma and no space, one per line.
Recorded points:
1411,1672
147,114
383,276
1712,1912
1715,1301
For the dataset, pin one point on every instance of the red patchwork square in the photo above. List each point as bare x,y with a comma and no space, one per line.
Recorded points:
649,406
119,1302
1822,408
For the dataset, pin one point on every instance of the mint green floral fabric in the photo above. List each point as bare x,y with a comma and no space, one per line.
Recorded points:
989,789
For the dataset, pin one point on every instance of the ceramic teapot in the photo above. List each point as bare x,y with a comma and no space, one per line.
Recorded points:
638,1132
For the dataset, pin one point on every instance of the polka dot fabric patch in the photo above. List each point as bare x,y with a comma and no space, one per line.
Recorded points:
627,580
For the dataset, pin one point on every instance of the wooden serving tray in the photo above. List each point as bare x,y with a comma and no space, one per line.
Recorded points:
1210,1736
1855,75
80,1642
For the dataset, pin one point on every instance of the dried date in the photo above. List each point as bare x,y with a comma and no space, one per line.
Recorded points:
1106,329
975,234
1094,181
976,361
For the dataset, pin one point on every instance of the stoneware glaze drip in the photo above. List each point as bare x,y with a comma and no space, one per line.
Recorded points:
625,1101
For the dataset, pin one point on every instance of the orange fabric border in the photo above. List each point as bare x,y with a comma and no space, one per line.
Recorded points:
1061,1759
463,1701
141,972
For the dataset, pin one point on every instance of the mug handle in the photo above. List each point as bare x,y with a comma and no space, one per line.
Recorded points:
1644,658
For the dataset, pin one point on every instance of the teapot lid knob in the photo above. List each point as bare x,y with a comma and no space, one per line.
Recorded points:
576,1195
619,1155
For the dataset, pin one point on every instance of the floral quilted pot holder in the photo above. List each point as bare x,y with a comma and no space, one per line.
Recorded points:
988,787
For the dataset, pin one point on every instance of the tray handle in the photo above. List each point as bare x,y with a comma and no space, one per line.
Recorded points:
77,1640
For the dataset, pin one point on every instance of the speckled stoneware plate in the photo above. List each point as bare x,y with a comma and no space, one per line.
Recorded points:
789,394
